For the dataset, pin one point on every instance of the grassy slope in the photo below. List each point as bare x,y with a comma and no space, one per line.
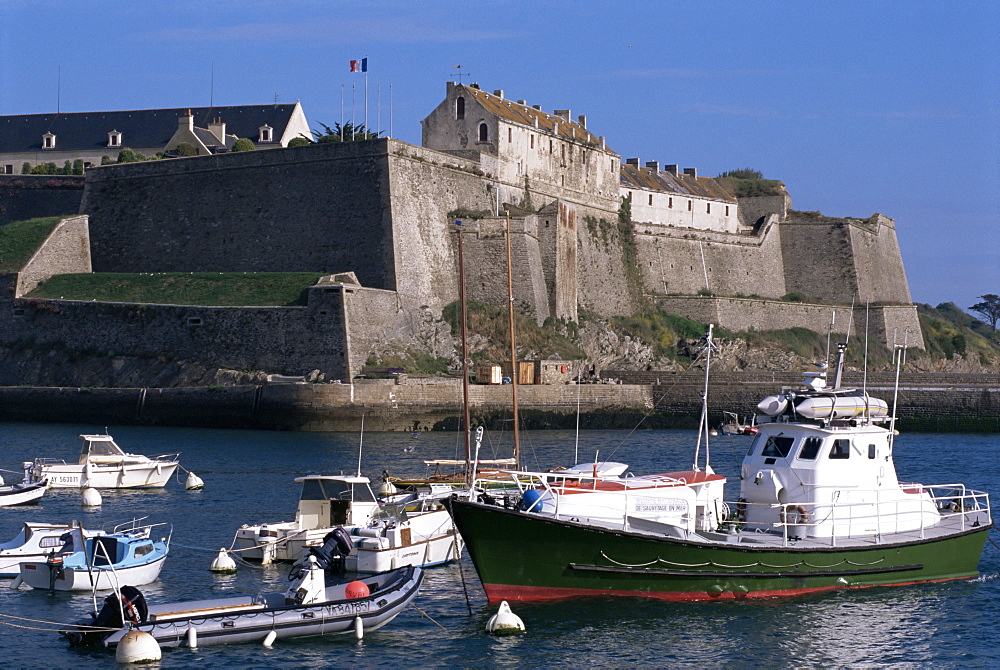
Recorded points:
19,240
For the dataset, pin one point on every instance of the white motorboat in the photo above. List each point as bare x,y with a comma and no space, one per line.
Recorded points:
24,493
382,536
99,561
36,541
103,465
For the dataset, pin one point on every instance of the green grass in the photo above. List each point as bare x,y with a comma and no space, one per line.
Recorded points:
231,289
20,239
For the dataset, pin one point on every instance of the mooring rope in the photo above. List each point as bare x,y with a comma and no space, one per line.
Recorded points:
50,623
428,616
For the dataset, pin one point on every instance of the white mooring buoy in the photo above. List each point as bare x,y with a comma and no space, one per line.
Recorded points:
505,622
269,640
138,646
193,482
91,497
223,562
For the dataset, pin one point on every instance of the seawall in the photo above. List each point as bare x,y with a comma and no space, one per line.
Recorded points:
666,400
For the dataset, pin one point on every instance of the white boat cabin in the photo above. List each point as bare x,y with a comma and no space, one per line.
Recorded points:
327,501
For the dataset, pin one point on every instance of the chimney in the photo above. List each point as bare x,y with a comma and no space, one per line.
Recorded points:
564,113
655,165
583,120
523,102
218,128
186,121
673,169
603,144
474,85
632,161
537,107
498,93
691,172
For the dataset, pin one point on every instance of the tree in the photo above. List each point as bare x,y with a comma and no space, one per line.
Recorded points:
300,141
26,168
243,144
78,166
346,133
186,149
989,308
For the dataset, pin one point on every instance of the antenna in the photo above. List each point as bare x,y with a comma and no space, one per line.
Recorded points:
460,74
59,91
829,334
361,442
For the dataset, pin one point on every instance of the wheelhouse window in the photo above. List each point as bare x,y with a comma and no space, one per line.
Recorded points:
114,139
778,446
841,450
484,133
810,448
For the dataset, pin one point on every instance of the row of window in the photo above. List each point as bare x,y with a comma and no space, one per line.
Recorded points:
690,204
779,446
264,134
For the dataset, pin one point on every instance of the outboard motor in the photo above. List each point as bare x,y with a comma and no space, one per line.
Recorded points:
129,607
337,545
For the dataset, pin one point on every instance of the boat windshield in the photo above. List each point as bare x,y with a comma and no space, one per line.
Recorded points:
331,489
100,447
390,513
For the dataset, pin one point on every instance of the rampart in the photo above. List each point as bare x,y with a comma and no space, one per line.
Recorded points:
25,197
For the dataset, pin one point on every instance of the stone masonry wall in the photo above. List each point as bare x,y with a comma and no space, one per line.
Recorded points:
24,197
65,251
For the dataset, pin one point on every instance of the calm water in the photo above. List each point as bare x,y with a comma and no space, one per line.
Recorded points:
248,478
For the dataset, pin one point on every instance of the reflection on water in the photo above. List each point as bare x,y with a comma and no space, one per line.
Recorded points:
248,479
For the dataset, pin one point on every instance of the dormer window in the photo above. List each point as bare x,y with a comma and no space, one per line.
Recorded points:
265,134
48,141
114,139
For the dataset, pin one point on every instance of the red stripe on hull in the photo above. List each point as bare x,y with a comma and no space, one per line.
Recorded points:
497,592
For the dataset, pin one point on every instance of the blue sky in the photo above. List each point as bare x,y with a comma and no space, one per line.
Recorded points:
858,107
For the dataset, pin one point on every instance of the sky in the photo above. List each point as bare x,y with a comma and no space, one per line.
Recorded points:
888,106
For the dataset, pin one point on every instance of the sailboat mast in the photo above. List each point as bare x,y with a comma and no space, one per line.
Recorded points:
513,351
469,476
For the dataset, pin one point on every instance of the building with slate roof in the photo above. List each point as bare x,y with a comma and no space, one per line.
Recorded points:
681,200
92,136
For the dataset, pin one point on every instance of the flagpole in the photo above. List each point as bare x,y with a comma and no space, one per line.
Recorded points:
390,110
353,92
378,107
365,68
341,112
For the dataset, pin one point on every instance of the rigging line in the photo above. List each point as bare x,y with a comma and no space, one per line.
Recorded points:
428,616
461,572
663,396
53,623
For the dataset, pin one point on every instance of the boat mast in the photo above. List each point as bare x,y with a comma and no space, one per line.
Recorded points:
469,475
513,351
703,422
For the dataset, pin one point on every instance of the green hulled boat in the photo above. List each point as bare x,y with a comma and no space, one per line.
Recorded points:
820,508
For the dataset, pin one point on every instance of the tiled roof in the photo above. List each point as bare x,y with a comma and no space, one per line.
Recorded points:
633,176
141,128
527,116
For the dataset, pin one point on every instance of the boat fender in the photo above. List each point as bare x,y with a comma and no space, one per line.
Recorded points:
530,500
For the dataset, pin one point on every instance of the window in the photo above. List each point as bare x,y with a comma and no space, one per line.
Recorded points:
8,169
778,445
532,141
810,448
670,203
690,203
114,139
708,208
510,135
143,549
650,199
48,141
871,451
460,108
841,449
727,210
484,133
265,134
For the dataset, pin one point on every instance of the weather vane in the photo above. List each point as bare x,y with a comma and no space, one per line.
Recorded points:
460,74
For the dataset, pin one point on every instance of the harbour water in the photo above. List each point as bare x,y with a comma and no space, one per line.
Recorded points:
248,478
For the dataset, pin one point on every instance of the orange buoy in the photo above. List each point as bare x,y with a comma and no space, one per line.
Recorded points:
357,590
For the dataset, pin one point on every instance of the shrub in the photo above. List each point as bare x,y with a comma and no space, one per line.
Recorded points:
243,144
186,149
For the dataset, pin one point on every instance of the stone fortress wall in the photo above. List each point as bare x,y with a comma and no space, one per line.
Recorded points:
385,210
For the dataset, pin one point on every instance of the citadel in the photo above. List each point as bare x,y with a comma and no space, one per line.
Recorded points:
589,231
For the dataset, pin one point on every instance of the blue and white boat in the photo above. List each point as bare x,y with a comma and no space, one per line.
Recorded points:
94,561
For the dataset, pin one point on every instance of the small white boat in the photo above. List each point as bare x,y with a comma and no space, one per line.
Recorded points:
307,608
103,465
381,536
25,493
36,541
97,562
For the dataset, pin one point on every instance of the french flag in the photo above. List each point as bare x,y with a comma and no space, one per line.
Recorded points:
359,65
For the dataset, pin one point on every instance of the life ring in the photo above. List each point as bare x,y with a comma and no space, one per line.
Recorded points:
802,516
